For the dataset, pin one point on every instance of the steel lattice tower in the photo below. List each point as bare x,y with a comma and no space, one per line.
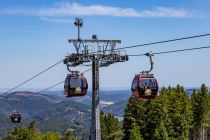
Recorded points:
101,53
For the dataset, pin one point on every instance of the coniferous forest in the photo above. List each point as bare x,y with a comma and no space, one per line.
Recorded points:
173,115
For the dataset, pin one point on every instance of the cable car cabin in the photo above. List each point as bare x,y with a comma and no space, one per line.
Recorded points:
15,117
75,85
144,86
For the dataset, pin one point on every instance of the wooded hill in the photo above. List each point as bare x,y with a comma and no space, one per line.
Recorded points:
50,114
55,112
173,115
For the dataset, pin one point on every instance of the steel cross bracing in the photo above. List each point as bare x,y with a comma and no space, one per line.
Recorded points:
103,49
101,53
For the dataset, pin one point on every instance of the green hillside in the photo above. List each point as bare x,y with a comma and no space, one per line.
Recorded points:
49,113
64,115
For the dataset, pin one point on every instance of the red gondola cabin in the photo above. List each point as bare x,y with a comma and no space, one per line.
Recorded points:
144,87
75,85
15,117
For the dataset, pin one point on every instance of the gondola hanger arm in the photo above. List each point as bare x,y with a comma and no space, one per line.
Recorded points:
149,54
68,68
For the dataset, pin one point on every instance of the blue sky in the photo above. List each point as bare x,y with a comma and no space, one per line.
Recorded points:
34,34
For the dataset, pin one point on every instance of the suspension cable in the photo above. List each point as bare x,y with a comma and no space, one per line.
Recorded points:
173,51
146,44
7,92
164,41
158,42
50,87
59,83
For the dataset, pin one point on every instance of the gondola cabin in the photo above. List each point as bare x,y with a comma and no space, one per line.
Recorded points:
144,86
15,117
75,85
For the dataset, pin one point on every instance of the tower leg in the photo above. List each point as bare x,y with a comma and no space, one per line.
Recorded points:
95,119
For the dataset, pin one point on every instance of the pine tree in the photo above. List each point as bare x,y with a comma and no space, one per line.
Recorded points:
134,113
110,128
201,112
32,126
134,133
179,114
196,103
69,135
155,115
161,132
104,132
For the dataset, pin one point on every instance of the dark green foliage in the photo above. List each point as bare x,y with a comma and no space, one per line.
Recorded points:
104,132
69,135
116,135
23,133
110,127
167,117
133,115
51,136
155,116
134,132
201,112
160,132
32,133
32,126
179,113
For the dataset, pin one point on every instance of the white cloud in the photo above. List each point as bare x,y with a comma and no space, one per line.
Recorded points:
59,20
169,12
74,9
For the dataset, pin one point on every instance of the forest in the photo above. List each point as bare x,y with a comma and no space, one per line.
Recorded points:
173,115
